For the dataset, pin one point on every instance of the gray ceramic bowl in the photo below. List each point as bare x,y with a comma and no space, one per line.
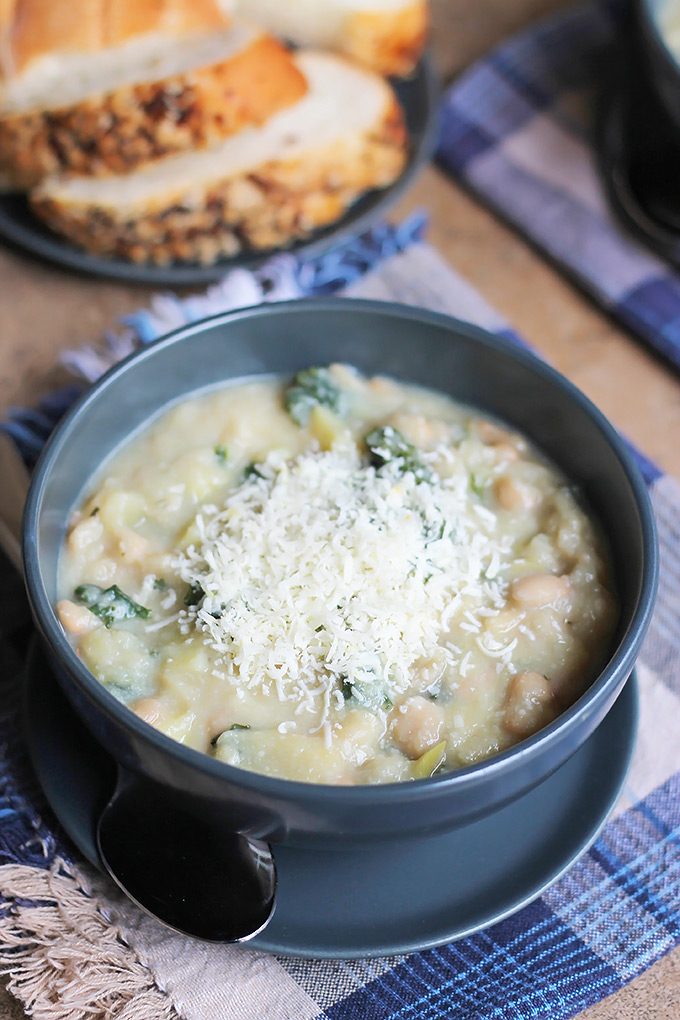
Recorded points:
412,345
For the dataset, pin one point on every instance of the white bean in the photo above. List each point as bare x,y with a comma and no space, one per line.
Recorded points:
381,386
85,533
504,622
514,494
419,430
427,671
506,452
76,619
490,433
539,589
148,709
134,547
496,435
529,704
416,725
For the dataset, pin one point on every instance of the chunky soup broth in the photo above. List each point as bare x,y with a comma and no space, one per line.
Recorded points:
336,580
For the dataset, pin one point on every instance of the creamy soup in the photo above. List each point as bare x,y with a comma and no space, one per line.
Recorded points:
336,579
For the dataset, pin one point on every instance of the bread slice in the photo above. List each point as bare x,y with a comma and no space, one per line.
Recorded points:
261,188
32,30
386,35
109,101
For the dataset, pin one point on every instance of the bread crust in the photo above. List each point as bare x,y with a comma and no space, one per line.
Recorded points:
117,132
272,207
32,29
386,39
389,42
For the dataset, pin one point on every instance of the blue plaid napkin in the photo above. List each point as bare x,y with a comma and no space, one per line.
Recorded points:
74,947
517,129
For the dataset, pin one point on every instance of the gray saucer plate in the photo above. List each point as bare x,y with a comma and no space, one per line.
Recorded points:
418,98
389,899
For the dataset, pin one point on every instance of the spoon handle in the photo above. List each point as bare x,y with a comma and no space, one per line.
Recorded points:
190,871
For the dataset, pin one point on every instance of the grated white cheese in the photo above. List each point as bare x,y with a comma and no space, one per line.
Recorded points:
464,665
159,624
321,570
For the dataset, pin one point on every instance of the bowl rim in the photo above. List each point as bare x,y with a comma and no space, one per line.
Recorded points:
613,674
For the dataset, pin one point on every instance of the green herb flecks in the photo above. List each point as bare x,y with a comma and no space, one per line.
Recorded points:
367,691
221,454
477,484
387,445
252,470
314,386
194,594
433,531
111,605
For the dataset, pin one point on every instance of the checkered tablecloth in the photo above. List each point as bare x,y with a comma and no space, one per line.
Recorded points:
518,130
74,948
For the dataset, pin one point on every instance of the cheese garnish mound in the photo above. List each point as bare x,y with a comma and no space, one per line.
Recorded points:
321,570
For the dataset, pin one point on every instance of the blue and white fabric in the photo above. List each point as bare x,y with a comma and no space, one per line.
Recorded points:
518,130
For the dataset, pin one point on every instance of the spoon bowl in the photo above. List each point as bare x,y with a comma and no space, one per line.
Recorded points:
193,873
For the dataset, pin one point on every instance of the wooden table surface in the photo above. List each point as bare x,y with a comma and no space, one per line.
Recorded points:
44,310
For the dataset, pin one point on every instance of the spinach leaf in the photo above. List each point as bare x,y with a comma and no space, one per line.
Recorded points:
312,387
252,470
346,687
111,604
194,594
367,691
387,444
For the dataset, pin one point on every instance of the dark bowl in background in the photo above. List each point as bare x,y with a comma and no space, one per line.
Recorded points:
638,130
417,347
658,67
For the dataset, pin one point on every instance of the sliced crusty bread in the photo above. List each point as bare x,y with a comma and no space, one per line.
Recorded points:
53,52
107,110
262,187
31,30
386,35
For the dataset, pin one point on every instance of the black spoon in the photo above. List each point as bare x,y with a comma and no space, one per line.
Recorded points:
191,872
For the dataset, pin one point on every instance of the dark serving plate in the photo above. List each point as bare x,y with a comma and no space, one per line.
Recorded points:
418,97
352,903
